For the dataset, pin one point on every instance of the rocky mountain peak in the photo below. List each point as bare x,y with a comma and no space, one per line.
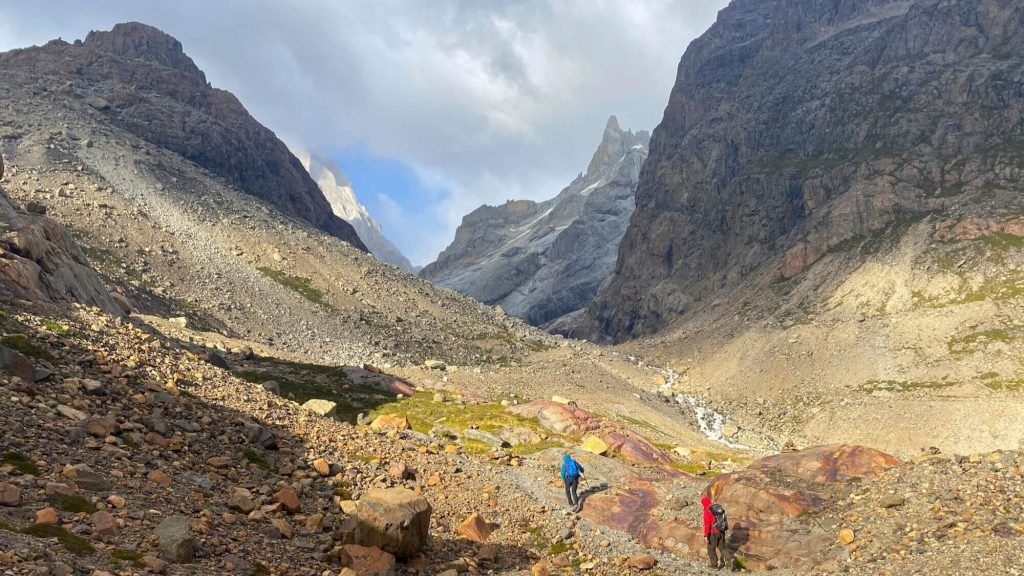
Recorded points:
142,42
615,143
543,260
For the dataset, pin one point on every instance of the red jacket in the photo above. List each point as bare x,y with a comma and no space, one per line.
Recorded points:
709,518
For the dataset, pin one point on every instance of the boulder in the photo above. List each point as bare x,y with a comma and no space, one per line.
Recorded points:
830,463
485,437
103,523
47,516
641,562
519,436
10,495
634,447
370,561
321,407
594,445
101,426
241,500
474,528
435,365
289,499
557,417
15,363
391,421
91,481
176,543
395,520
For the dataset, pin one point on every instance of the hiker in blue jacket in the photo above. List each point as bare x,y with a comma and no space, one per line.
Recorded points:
571,471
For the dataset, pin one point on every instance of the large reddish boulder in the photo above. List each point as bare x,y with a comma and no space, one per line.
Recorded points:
634,447
769,501
830,463
557,417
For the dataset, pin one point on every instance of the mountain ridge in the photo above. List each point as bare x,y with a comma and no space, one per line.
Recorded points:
790,131
140,79
541,261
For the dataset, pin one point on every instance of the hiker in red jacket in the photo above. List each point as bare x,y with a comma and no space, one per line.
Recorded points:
713,535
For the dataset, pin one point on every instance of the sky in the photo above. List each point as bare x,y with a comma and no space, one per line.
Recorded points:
432,107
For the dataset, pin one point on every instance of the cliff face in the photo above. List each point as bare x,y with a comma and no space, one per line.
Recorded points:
796,126
542,260
142,81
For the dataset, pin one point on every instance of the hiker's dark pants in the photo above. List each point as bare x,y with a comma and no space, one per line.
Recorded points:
716,549
571,484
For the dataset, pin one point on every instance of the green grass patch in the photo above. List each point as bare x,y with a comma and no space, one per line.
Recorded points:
303,382
303,286
641,424
974,341
255,458
71,542
991,375
1014,385
904,385
423,414
21,343
71,503
54,327
557,548
120,556
21,463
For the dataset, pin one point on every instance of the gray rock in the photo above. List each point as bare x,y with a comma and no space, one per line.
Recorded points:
272,386
321,407
485,437
16,364
214,358
91,481
98,103
176,543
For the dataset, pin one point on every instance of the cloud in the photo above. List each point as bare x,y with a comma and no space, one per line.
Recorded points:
486,99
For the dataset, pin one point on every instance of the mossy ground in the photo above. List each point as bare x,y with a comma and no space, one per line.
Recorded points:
21,343
301,382
71,504
302,286
71,542
975,341
21,463
121,556
905,385
254,457
424,413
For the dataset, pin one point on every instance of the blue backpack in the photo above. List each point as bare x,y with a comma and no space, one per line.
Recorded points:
572,469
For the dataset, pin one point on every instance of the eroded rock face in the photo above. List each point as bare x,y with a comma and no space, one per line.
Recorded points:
794,128
142,80
542,260
40,261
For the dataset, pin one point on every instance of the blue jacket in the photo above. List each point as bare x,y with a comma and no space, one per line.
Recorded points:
565,465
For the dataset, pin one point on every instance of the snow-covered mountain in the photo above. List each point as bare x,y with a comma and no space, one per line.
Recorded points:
338,190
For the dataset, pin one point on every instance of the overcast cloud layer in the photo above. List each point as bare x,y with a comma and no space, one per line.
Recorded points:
483,101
